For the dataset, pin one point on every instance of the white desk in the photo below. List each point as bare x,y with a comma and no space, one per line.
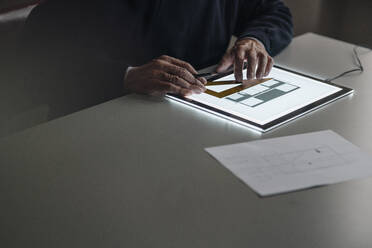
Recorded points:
132,173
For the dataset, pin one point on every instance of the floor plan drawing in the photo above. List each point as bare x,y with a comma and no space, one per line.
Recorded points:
262,93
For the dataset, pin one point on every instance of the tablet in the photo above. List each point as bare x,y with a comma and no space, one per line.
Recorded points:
268,103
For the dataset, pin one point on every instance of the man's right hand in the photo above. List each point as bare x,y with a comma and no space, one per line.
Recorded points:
164,75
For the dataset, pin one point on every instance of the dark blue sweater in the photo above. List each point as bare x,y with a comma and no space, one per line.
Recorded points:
90,43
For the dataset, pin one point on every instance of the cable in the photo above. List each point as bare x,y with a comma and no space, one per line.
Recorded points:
359,69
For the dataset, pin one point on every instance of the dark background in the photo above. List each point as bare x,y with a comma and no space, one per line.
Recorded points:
347,20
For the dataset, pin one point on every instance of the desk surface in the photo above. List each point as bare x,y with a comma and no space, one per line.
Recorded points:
132,173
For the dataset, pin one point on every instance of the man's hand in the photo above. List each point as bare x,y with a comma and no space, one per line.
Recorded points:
259,62
164,75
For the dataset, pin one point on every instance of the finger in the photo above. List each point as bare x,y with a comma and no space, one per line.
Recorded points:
170,78
269,66
179,63
163,88
226,62
174,79
262,64
173,89
252,65
184,74
238,65
203,80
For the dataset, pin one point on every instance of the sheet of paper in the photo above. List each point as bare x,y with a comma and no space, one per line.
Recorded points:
280,165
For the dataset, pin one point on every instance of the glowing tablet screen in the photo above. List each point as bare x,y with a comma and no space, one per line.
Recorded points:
269,100
267,103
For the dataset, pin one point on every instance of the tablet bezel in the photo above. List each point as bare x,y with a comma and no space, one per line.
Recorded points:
277,122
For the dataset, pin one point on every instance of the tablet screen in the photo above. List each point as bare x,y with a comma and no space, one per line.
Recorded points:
267,103
281,93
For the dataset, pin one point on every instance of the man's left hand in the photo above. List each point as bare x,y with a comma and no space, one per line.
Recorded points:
259,62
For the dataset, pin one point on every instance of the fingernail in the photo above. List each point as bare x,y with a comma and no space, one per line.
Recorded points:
201,85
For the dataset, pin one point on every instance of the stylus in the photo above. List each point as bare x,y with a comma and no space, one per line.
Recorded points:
208,74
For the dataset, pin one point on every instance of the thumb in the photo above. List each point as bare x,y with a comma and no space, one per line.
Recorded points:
226,61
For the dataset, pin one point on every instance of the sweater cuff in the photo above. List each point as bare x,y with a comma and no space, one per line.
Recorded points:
129,68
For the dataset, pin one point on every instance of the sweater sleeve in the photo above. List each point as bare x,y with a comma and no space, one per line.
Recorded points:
269,21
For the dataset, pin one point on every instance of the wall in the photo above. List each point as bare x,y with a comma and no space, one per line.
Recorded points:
306,14
347,20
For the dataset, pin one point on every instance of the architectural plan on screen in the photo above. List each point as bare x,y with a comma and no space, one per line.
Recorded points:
282,93
296,162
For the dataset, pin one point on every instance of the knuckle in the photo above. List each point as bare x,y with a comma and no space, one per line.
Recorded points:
182,72
239,57
188,65
168,77
174,79
163,57
236,49
261,54
240,46
252,66
252,63
157,61
252,56
163,76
